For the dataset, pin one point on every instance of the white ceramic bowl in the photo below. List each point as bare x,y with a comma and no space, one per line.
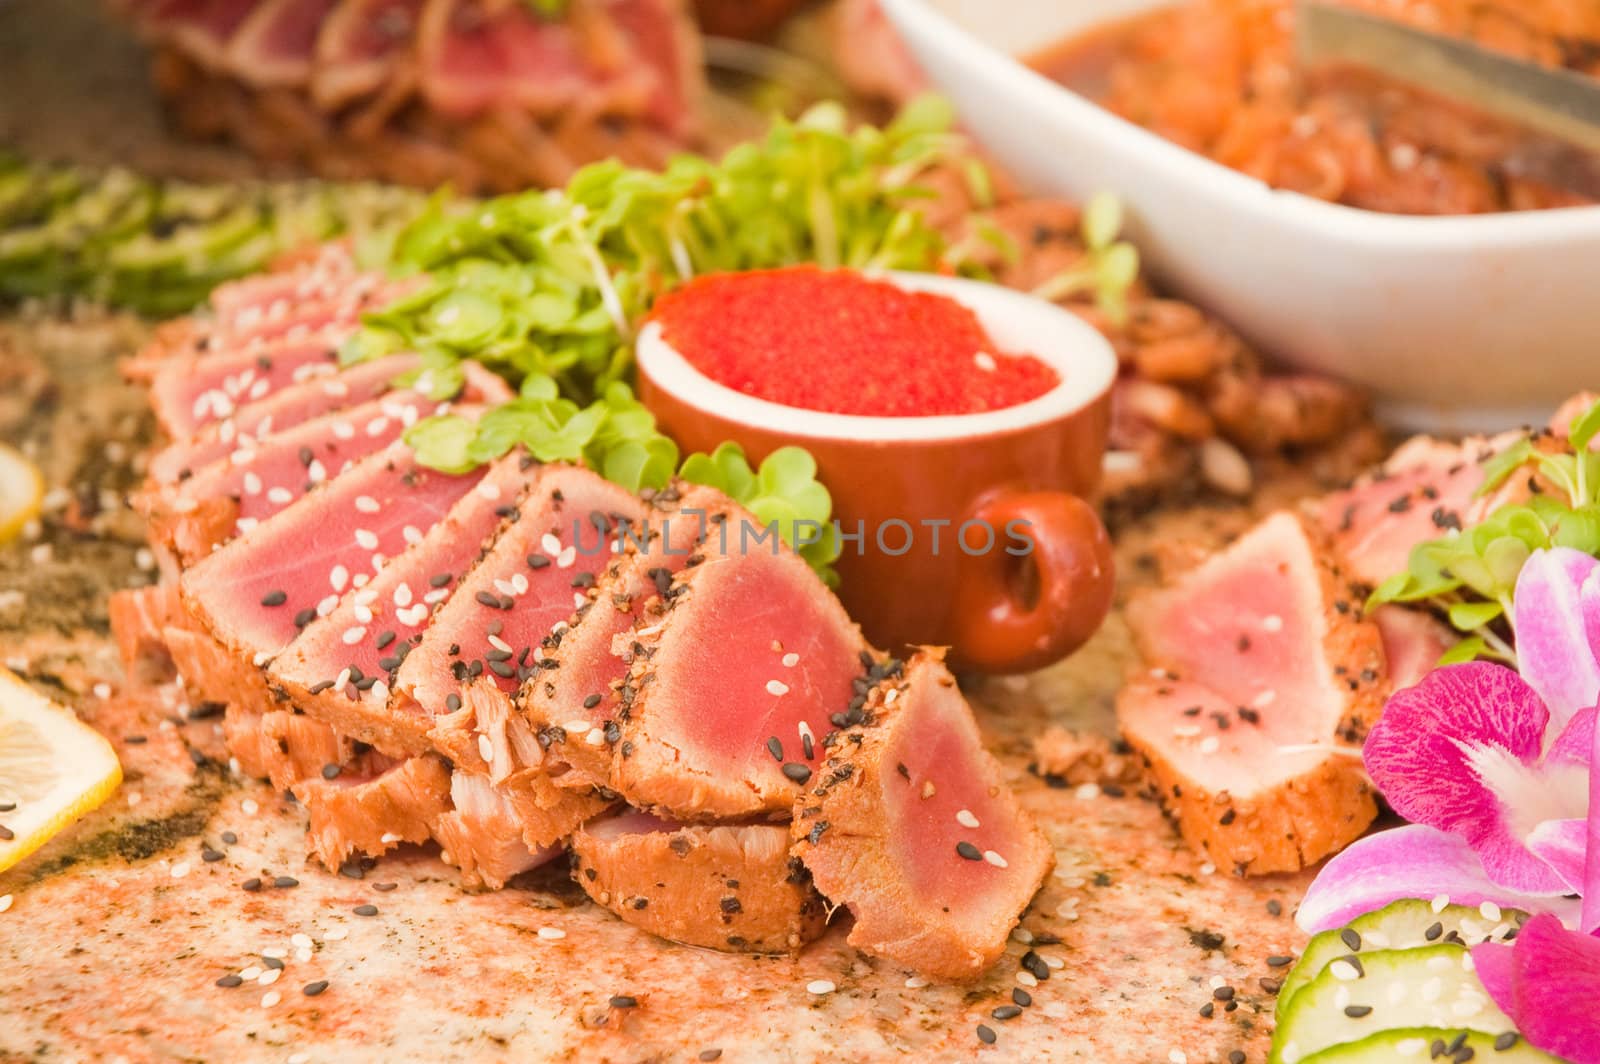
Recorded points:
1452,322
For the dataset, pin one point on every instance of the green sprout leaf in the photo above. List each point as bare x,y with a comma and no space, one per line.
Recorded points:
1468,649
1585,427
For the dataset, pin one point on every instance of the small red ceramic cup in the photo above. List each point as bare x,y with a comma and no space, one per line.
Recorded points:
966,531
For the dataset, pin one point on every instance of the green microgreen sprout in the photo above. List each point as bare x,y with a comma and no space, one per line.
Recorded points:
1109,268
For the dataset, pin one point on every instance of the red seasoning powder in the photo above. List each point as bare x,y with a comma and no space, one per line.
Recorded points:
839,342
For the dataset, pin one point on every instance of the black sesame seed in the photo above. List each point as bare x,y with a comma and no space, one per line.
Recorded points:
969,851
1456,1043
209,856
775,747
305,617
1209,1009
252,884
709,1055
384,888
229,837
807,747
1278,960
489,599
135,740
502,669
286,882
986,1034
1236,1056
1270,986
1506,1041
385,637
6,834
624,1001
274,598
1351,938
1223,993
1356,1012
1006,1012
6,807
1275,907
306,456
537,561
439,580
272,962
591,701
228,982
1434,931
365,910
331,771
797,772
452,702
1021,996
313,989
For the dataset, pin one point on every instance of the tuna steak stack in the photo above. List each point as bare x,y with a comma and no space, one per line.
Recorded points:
480,94
526,660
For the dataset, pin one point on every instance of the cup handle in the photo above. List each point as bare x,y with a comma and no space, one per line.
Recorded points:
1041,591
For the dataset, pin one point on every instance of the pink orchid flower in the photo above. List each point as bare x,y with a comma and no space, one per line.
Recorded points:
1492,769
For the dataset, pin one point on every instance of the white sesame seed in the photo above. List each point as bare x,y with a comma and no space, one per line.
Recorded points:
595,737
777,687
316,472
280,496
366,539
489,490
270,976
388,838
485,748
965,818
376,426
1343,971
353,635
343,430
1087,792
411,534
1208,869
994,858
336,934
576,725
791,659
249,807
1027,978
505,587
413,615
550,544
251,973
1210,744
1022,935
985,361
579,599
1178,1056
5,902
338,578
520,583
379,691
300,939
1272,623
275,952
252,484
246,524
436,596
363,613
820,987
1489,911
102,690
915,982
367,504
552,933
565,559
499,644
180,869
1439,902
327,605
270,998
1264,699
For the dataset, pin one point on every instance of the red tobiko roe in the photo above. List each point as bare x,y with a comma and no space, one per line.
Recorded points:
840,342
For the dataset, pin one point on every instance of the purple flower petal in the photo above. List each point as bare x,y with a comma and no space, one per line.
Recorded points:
1575,744
1460,752
1414,861
1557,625
1495,965
1563,845
1591,870
1554,982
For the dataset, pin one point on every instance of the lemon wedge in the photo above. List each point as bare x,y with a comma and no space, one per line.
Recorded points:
54,769
21,492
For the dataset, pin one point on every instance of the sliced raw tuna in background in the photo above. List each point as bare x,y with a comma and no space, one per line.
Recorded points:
319,277
190,393
199,28
911,826
273,47
731,690
1413,643
1264,680
530,580
360,48
392,611
1425,490
722,886
572,702
328,309
257,481
255,594
482,836
255,422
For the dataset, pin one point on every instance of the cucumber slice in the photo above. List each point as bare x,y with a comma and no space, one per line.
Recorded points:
1354,997
1427,1044
1403,924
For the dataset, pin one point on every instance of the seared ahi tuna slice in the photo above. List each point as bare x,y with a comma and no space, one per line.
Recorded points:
255,594
319,277
256,481
496,624
731,690
912,827
1413,643
721,886
1280,675
138,618
485,738
371,808
189,393
284,747
1425,490
391,612
361,44
573,701
482,835
254,422
273,47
